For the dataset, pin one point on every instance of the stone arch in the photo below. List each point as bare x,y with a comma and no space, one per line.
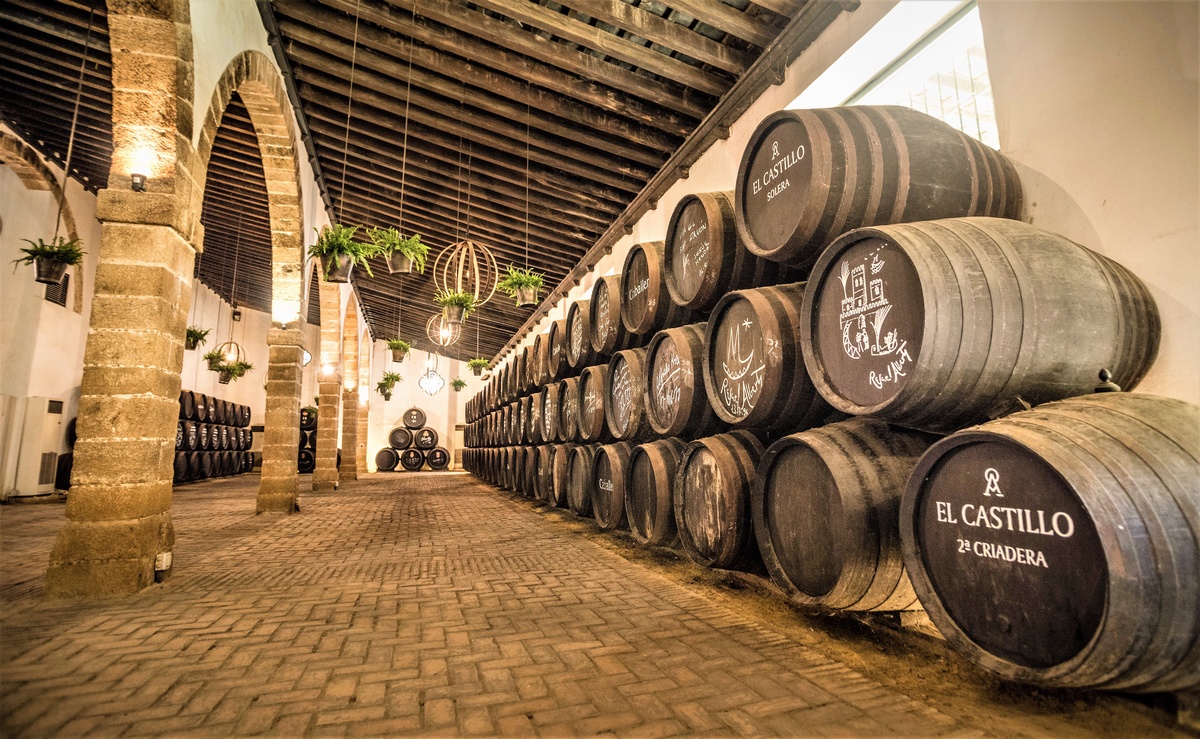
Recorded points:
35,175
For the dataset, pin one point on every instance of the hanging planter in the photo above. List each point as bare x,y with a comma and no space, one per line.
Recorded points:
399,348
195,337
477,365
522,284
456,306
232,371
50,261
458,384
401,254
215,359
387,384
339,252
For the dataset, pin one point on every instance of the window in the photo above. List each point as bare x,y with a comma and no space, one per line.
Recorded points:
58,293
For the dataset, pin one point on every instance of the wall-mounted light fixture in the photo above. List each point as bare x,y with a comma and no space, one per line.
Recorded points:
137,182
237,313
307,357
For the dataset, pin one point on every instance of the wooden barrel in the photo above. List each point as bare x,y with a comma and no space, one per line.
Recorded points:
305,463
604,318
808,175
560,475
556,350
180,468
529,481
610,474
533,422
180,436
753,373
514,423
648,502
646,306
625,399
538,353
400,437
201,412
940,325
525,413
437,458
187,408
579,336
544,482
1059,546
826,506
191,435
550,412
414,418
712,500
412,459
703,258
205,434
386,459
580,480
569,417
593,386
676,402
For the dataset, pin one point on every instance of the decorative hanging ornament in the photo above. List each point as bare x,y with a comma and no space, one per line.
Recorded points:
441,331
467,267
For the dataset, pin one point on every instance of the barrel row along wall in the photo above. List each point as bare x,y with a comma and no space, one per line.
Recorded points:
213,438
775,428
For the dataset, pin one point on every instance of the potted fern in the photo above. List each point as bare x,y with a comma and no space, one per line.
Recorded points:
232,371
215,359
477,365
399,349
458,384
50,261
402,254
195,337
456,306
522,284
385,385
339,252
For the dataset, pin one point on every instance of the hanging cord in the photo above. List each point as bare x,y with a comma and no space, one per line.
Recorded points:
349,106
527,185
62,199
407,97
237,248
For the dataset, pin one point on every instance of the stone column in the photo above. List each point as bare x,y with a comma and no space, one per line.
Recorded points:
277,490
350,413
325,476
119,509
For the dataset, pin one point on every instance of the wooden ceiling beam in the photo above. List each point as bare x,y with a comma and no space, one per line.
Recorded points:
741,24
34,21
786,8
493,82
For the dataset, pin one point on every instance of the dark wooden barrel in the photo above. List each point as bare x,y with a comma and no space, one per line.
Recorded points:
412,459
808,175
180,467
514,423
538,353
414,418
524,412
195,466
534,432
556,351
646,306
180,436
579,335
580,480
504,463
223,438
223,407
676,402
712,500
610,474
386,459
826,505
609,334
201,413
425,439
529,480
1059,545
305,463
560,475
204,431
940,325
400,437
703,258
648,502
625,399
544,483
550,412
187,404
593,386
437,458
569,410
753,373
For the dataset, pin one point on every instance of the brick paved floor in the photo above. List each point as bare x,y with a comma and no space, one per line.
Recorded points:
432,604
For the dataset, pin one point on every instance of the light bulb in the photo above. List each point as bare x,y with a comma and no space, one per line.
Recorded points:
327,369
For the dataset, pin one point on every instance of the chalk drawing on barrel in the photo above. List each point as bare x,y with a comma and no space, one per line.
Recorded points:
743,370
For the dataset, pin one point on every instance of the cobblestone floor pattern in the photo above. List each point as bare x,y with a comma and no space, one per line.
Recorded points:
424,604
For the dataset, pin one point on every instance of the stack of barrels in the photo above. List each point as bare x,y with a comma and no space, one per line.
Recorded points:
212,438
412,446
306,455
859,372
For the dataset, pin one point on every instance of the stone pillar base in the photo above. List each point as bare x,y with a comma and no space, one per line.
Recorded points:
279,488
105,559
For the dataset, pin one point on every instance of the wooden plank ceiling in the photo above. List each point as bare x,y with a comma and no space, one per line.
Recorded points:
486,120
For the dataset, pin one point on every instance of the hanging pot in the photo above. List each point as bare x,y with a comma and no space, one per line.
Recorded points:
526,296
225,377
453,313
398,355
477,371
214,365
190,343
340,270
397,263
49,271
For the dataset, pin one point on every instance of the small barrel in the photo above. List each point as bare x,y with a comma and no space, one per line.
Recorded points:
625,401
648,502
561,475
942,324
543,487
609,334
529,481
308,419
676,402
1060,546
180,436
550,412
191,435
414,418
400,437
579,335
201,413
534,432
187,404
537,367
212,409
753,373
703,258
610,473
646,306
205,442
437,458
580,480
195,471
425,439
712,500
593,386
223,438
826,507
412,459
222,415
180,467
808,175
524,414
305,463
569,410
386,459
556,351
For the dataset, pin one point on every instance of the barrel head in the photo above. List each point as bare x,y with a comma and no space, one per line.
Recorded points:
772,184
636,291
737,361
805,521
688,243
1009,550
624,389
665,380
702,509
